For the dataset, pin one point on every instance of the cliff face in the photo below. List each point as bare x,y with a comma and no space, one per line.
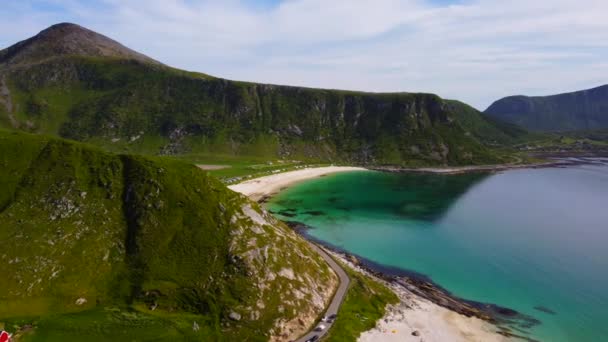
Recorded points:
120,101
581,110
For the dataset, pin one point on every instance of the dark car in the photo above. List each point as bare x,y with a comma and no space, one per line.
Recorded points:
313,339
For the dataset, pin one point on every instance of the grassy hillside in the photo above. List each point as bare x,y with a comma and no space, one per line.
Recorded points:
135,106
363,306
487,129
594,142
97,243
581,110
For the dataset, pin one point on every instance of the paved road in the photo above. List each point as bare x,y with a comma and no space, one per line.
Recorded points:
338,297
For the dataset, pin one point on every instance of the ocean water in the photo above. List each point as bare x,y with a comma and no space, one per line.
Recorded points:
534,240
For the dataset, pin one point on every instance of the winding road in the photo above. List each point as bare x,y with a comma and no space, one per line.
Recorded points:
264,186
334,306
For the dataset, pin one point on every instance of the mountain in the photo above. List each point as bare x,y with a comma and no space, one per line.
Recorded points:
581,110
486,129
99,245
67,39
91,89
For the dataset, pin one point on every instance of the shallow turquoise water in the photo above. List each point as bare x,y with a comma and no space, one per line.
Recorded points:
520,239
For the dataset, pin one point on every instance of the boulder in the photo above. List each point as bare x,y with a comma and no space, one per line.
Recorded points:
234,316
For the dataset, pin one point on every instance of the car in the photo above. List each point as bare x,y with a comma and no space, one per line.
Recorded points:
313,339
324,319
330,318
321,327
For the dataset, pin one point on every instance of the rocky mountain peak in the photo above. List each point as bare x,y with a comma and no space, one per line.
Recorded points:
66,39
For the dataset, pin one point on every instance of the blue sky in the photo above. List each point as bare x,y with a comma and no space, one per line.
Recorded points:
472,50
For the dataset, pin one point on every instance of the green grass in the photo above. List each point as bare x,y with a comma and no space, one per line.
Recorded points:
130,107
364,304
103,324
131,232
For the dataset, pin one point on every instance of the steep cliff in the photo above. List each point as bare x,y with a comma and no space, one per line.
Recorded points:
111,97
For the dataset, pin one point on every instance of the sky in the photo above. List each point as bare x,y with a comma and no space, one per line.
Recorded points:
476,51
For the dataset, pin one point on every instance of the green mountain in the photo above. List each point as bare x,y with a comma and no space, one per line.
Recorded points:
74,83
98,245
581,110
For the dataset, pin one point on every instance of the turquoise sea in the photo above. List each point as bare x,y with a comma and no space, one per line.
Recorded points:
533,240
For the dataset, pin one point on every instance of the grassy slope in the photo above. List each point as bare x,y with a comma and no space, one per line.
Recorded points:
126,232
580,110
127,106
364,304
486,128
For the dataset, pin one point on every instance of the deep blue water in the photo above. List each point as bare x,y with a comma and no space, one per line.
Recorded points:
532,240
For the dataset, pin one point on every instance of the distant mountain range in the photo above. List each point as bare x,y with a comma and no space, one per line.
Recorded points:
75,83
580,110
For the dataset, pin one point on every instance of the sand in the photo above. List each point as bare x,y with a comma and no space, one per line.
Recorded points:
210,167
266,186
431,322
412,314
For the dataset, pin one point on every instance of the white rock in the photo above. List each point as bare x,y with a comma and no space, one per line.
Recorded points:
287,273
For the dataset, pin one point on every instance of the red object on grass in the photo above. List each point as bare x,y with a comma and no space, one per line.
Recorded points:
4,336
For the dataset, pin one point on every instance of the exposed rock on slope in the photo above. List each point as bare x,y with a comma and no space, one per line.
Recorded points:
126,102
67,39
82,229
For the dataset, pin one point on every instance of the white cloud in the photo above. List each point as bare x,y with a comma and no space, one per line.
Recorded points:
475,50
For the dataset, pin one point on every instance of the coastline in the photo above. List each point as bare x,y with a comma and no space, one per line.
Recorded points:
428,306
424,307
263,187
475,168
416,318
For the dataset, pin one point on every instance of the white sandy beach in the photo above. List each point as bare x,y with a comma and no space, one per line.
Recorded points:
431,322
413,314
268,185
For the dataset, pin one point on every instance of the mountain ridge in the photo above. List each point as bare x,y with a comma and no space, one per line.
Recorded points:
579,110
127,104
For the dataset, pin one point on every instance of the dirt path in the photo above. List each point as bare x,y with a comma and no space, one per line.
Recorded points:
210,167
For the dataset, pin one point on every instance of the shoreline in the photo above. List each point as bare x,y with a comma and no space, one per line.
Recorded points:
426,303
259,189
453,170
416,318
494,322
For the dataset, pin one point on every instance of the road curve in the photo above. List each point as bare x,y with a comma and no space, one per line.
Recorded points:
264,186
334,306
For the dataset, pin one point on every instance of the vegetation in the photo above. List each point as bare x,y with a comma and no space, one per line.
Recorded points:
94,240
103,324
364,304
581,110
569,143
120,238
136,105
